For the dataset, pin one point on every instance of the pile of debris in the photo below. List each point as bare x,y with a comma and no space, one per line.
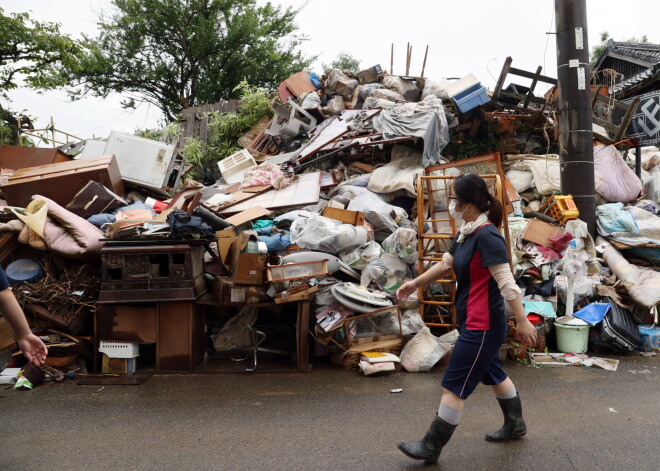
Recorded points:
330,207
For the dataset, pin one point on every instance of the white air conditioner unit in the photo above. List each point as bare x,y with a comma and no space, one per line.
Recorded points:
144,162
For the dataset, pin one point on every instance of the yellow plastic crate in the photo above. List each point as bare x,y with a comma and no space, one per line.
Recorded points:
561,207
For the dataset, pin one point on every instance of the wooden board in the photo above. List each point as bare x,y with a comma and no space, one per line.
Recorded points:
302,192
247,215
300,83
344,215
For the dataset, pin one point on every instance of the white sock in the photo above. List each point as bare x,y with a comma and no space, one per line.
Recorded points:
449,414
510,394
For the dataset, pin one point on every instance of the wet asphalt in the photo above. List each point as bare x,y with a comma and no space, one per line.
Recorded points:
578,418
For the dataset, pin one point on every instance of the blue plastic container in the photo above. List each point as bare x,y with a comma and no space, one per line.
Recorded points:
471,98
24,270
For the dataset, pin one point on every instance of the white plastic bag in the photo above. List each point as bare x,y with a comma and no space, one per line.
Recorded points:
362,256
403,244
411,322
388,272
422,352
327,235
379,214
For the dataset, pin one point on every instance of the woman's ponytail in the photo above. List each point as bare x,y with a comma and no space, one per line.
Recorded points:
495,213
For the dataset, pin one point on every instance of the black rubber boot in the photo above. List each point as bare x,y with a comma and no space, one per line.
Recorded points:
514,425
429,447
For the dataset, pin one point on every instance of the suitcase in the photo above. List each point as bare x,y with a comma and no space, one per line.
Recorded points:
94,198
618,330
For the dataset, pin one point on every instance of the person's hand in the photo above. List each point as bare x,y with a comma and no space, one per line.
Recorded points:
406,290
526,332
34,350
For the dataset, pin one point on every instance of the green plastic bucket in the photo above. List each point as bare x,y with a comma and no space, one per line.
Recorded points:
572,338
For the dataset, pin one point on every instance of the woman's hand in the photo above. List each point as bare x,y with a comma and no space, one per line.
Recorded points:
526,332
33,349
405,290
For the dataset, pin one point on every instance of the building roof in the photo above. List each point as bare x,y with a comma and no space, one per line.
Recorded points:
645,51
641,77
644,54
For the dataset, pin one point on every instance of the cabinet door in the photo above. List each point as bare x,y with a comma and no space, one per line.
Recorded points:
180,336
126,323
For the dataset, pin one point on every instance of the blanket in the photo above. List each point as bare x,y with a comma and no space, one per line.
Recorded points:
69,235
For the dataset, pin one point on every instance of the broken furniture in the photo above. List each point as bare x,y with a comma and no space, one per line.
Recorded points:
175,328
289,121
604,107
165,279
17,157
62,181
150,273
303,307
513,96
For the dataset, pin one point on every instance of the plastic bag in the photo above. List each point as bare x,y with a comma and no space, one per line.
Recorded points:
377,212
422,352
403,244
386,94
338,82
335,105
412,302
373,102
411,322
360,257
592,313
388,272
326,235
437,88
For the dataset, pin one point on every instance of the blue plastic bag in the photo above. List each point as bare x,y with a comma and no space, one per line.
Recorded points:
593,313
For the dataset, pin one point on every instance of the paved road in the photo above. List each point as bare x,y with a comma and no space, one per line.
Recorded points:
331,419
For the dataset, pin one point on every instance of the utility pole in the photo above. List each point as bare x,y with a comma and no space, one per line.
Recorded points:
574,104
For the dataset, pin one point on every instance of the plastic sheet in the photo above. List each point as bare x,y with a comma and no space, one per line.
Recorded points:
423,352
326,235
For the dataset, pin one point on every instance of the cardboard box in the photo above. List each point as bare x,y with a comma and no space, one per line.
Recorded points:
246,268
226,237
227,293
540,232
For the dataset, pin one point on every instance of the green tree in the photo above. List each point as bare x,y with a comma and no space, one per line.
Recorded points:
180,53
344,61
32,54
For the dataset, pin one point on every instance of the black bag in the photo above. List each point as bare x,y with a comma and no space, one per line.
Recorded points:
618,330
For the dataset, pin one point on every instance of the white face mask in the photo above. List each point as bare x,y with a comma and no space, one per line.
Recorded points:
457,215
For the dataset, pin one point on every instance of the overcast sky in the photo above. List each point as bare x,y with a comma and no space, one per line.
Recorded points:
466,36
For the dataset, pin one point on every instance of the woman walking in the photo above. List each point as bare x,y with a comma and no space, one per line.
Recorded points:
479,258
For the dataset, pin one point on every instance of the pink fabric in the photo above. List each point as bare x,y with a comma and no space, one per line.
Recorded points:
265,175
69,235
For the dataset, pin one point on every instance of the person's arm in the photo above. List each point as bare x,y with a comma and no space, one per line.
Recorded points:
33,348
435,272
513,296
